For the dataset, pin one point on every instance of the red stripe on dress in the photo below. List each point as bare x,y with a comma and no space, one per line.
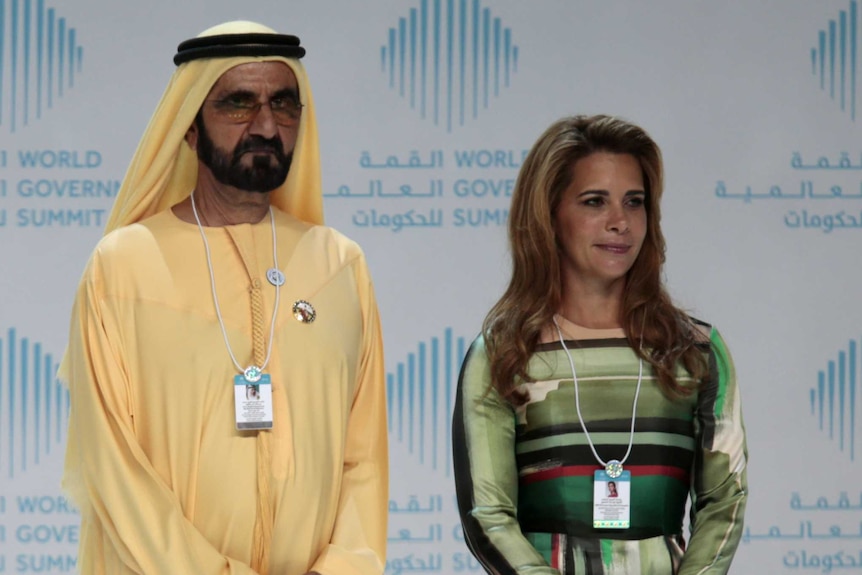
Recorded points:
666,470
586,470
555,551
567,471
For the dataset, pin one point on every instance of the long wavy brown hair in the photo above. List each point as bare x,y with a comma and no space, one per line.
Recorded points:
656,330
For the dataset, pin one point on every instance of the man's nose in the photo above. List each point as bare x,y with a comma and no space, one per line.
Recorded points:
263,123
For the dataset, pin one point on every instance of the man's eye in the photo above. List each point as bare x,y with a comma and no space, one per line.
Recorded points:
237,102
283,104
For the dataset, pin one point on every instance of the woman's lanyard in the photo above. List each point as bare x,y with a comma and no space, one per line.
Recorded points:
614,467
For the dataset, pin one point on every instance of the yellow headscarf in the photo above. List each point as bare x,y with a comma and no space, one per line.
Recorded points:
164,168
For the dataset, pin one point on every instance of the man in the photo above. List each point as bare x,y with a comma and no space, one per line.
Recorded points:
216,273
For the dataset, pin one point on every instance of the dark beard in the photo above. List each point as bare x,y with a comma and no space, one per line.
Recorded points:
262,176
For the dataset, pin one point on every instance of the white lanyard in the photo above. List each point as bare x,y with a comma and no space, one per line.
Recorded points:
252,373
614,468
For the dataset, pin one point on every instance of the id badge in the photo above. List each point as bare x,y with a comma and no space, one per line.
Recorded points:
253,402
612,500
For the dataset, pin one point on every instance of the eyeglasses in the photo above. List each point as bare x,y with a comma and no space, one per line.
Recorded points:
285,111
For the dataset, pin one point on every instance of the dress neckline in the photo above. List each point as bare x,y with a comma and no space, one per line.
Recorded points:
573,331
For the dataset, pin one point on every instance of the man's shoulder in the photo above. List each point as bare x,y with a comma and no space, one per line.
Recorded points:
320,254
336,238
134,240
321,238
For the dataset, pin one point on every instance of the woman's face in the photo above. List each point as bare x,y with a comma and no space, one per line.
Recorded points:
601,221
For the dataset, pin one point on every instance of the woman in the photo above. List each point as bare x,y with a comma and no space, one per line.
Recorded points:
586,372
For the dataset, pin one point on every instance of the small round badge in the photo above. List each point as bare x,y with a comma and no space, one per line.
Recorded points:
252,374
614,468
275,276
304,311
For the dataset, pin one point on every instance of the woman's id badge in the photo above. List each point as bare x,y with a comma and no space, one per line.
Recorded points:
253,402
612,500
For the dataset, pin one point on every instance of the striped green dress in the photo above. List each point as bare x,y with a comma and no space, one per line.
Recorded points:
524,477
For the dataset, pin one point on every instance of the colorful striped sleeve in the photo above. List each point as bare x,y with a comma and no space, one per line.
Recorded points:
486,475
719,488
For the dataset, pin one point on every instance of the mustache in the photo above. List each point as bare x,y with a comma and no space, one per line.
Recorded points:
259,143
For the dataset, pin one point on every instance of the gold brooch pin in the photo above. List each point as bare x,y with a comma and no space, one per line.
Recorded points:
304,311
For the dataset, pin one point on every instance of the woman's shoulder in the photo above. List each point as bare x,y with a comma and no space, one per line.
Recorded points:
702,331
477,351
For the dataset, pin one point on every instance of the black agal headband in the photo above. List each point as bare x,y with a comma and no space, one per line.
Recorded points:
231,45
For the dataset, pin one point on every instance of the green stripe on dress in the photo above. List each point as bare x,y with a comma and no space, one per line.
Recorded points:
723,364
641,438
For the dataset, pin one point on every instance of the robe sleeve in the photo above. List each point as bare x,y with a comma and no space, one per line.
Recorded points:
486,474
720,487
106,471
358,543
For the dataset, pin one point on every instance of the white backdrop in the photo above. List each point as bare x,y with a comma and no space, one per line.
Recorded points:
426,108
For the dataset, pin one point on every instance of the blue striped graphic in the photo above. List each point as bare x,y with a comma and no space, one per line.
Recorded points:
460,53
834,58
34,403
833,401
421,393
39,57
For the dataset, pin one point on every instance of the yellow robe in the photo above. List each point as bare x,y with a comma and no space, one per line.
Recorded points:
166,483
